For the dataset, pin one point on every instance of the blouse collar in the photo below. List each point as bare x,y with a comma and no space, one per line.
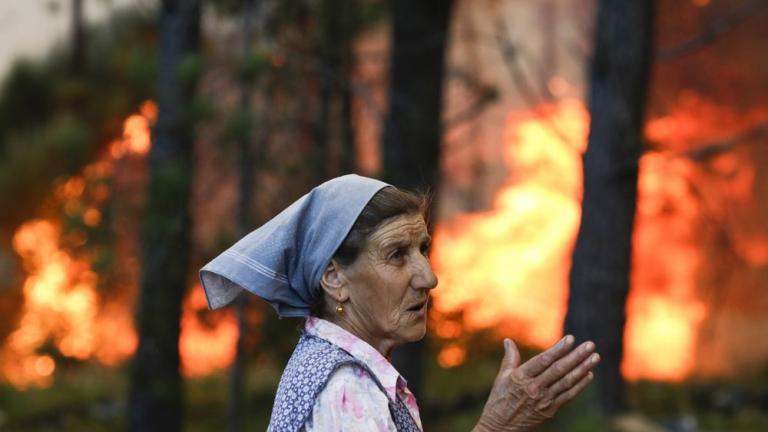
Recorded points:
387,375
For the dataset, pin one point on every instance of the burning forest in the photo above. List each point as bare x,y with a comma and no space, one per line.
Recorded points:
62,305
591,169
677,228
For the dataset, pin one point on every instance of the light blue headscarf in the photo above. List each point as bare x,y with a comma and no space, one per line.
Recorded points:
283,260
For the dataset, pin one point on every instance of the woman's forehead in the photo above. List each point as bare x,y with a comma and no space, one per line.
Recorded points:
405,228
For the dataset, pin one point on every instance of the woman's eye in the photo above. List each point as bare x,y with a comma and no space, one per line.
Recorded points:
398,253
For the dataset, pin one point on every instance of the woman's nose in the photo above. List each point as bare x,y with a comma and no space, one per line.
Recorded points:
423,276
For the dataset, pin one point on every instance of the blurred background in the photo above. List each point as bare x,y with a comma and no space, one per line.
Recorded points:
597,167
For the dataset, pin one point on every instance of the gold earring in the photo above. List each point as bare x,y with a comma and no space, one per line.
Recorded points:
339,309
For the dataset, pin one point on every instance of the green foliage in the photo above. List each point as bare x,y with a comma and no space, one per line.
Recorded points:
190,68
35,157
660,399
92,398
172,178
88,399
372,13
238,126
202,109
26,98
579,416
254,66
52,122
139,64
67,139
225,7
167,217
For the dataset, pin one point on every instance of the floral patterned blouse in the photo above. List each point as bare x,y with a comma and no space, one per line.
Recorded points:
351,400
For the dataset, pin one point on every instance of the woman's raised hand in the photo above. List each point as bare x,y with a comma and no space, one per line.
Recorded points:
524,396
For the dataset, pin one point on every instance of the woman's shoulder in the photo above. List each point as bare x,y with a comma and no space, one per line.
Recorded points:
328,363
313,351
313,362
351,375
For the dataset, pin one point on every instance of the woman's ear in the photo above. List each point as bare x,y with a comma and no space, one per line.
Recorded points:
333,282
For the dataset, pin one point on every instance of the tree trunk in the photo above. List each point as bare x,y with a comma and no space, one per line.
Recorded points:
348,17
247,171
155,399
413,128
334,145
599,278
77,56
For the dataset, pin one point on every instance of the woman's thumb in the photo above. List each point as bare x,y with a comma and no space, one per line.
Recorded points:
511,354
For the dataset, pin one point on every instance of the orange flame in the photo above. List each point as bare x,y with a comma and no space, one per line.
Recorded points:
506,269
62,305
205,348
136,138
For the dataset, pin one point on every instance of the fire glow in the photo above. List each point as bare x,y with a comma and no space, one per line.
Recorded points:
506,269
63,314
60,304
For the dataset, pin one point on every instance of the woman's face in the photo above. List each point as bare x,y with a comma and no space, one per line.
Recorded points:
389,283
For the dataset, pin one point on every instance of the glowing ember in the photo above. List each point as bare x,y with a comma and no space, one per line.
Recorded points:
136,133
451,355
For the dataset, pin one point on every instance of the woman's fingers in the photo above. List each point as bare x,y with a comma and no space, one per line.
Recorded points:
566,364
526,395
571,393
573,377
541,362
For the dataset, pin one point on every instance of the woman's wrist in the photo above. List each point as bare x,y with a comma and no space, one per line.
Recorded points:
486,424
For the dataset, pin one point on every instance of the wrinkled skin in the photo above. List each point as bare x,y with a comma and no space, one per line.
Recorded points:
380,289
525,396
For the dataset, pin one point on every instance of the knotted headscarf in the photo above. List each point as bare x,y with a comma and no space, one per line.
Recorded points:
283,260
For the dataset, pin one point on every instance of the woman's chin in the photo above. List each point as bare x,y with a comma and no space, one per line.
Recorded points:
415,332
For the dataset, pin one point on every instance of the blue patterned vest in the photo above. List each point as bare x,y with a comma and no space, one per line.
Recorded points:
309,369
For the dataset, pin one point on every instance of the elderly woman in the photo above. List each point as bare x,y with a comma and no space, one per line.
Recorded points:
352,257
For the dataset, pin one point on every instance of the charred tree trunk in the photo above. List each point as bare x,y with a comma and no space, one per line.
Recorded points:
599,278
77,56
247,171
155,399
348,22
413,128
334,146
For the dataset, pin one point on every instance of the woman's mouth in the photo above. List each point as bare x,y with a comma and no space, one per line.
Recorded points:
419,307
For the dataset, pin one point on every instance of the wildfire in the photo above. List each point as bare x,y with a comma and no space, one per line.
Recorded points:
506,269
61,306
205,348
63,315
136,133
